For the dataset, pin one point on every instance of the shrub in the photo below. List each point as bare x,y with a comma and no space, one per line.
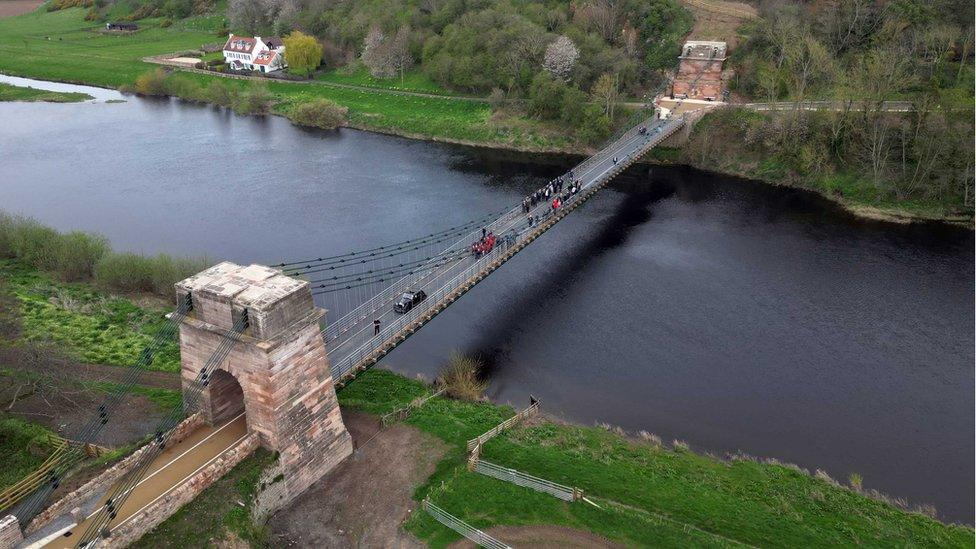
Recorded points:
186,88
219,93
546,97
125,271
496,99
255,100
320,113
151,83
168,270
165,23
594,127
78,254
460,378
35,244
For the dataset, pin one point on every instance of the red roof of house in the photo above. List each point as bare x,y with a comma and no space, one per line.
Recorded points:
265,57
243,44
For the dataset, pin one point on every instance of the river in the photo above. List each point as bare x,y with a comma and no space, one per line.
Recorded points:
727,313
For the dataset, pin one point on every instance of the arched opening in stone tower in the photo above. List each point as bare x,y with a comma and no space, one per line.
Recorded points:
226,398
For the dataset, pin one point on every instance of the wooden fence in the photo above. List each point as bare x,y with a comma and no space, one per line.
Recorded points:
463,528
565,493
474,445
26,486
400,414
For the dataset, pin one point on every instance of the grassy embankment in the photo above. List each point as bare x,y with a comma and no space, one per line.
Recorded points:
649,494
23,446
89,324
62,46
10,92
636,483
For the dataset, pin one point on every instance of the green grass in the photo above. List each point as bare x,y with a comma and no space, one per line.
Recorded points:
91,325
413,81
10,92
23,448
215,512
636,484
62,46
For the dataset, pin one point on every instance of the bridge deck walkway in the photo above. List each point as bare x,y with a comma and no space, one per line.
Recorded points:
170,469
351,341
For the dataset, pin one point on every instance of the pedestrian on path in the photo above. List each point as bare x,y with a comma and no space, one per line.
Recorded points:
376,327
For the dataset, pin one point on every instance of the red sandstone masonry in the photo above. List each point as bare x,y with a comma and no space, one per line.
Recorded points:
105,480
155,513
10,532
280,364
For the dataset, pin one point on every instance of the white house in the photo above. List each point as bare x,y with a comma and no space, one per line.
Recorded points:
255,53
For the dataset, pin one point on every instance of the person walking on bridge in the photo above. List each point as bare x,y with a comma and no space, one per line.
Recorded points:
376,327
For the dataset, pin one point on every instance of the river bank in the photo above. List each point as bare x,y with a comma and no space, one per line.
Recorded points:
697,498
673,252
61,46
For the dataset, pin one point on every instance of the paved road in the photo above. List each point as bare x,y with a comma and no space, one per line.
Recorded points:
888,106
170,469
347,338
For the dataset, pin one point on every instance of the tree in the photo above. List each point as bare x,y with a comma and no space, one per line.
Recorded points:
302,52
376,54
546,97
399,52
594,126
573,106
561,56
606,90
247,14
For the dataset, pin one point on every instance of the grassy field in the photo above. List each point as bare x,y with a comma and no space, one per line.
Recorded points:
23,448
91,325
357,75
17,93
62,46
649,493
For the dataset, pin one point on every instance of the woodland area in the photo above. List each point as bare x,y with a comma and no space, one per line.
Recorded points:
859,53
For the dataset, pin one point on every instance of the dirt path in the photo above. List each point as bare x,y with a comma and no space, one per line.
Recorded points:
543,537
63,401
365,500
10,8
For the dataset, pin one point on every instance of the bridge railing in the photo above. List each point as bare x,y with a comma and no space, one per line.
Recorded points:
445,292
389,294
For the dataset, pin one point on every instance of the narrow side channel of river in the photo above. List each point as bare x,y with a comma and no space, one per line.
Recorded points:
727,313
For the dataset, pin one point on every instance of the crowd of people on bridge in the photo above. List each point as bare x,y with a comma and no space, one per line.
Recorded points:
551,193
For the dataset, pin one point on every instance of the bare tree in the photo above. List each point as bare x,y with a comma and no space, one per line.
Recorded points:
399,52
809,62
43,372
604,16
527,50
286,18
376,54
247,14
606,90
560,59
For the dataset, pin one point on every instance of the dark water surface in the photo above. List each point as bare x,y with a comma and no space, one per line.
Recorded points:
729,314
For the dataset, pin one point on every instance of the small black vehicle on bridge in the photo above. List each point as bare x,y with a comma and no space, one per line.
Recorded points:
408,300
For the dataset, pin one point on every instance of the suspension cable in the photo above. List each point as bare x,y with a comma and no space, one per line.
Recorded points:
105,411
308,262
164,431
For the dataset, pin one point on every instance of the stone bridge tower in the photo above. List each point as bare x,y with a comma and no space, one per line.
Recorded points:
278,374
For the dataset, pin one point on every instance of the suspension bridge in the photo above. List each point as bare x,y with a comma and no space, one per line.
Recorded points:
251,335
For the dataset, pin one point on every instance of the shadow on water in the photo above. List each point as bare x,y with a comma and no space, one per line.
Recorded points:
492,348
